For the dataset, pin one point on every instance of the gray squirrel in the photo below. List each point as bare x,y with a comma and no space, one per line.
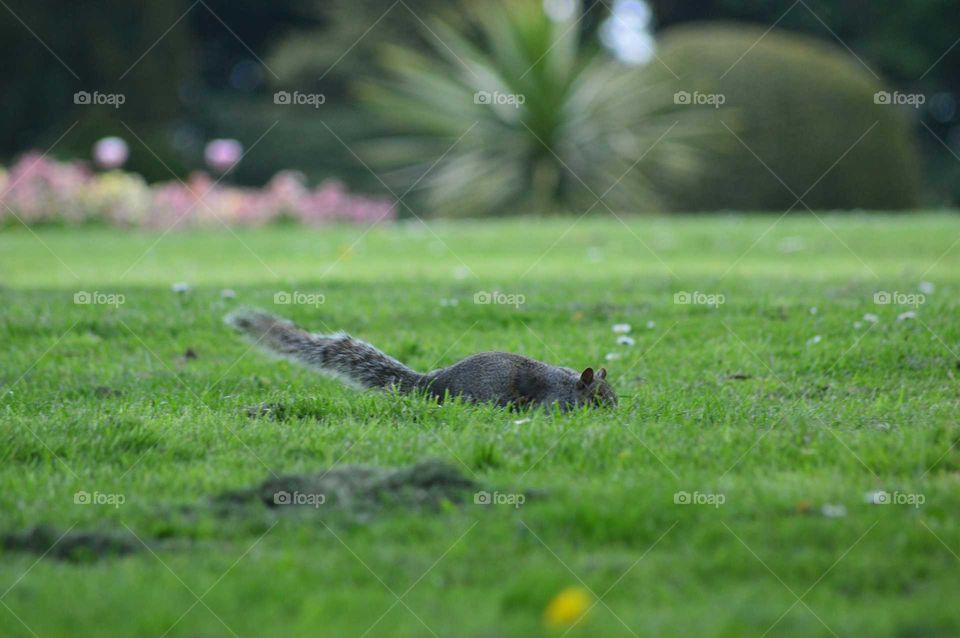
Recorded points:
508,380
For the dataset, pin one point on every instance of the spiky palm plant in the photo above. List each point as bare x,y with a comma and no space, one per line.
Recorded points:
514,113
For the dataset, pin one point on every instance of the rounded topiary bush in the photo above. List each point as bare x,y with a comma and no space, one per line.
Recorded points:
800,105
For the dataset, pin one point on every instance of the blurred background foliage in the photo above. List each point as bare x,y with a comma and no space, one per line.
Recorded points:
513,111
196,70
803,124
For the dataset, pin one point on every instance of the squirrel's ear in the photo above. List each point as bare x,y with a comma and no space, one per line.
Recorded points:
602,373
586,377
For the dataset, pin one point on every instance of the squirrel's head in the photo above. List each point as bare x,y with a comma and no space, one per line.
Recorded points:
593,389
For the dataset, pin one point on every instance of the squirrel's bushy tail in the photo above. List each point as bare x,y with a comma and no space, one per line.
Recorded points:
338,355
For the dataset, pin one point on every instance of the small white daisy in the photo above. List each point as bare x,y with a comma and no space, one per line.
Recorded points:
833,511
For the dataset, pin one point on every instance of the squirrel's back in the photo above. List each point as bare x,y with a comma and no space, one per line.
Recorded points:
503,378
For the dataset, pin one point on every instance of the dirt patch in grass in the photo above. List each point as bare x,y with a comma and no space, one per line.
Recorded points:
356,492
359,488
106,392
275,411
73,546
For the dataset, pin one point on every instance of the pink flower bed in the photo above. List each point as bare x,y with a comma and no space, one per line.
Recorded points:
41,190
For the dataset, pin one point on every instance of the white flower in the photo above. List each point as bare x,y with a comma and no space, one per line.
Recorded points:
522,421
872,318
813,310
180,287
624,340
815,339
651,325
857,325
833,511
613,356
621,328
903,316
228,293
927,287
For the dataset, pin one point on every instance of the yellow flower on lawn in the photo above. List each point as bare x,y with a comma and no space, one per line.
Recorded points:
567,607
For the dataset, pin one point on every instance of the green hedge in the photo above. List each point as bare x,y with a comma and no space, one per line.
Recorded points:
799,104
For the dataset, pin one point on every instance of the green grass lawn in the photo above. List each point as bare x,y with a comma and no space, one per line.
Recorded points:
777,411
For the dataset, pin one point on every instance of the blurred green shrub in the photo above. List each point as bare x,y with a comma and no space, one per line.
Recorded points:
512,112
800,105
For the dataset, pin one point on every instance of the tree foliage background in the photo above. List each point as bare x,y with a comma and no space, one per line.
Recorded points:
195,70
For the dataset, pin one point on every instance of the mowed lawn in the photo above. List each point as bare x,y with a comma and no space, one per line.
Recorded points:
774,408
